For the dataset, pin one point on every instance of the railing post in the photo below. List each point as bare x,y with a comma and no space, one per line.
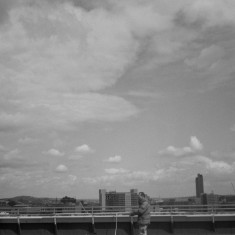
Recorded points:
55,226
93,224
132,226
172,224
213,223
18,224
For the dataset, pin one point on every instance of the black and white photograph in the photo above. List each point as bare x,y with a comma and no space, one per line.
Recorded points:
117,111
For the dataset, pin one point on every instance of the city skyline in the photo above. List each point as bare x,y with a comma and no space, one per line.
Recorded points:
116,95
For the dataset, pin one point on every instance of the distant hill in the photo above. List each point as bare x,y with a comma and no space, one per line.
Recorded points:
29,200
44,201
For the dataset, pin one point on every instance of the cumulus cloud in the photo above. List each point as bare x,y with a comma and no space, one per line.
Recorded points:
83,149
58,60
2,148
171,150
14,159
63,54
116,171
178,170
205,13
215,165
5,7
12,155
9,121
145,94
75,157
232,128
120,176
114,159
208,58
130,178
27,140
195,145
94,4
61,168
54,152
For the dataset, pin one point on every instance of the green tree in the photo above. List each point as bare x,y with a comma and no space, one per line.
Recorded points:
12,203
66,200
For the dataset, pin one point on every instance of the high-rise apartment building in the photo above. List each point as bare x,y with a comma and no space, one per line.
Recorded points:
118,200
199,185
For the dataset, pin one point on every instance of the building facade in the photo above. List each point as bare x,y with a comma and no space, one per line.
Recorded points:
122,201
209,199
102,200
199,185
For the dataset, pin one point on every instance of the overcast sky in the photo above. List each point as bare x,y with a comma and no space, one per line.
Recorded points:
116,95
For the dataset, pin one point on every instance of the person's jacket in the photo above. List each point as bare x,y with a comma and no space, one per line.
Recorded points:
143,212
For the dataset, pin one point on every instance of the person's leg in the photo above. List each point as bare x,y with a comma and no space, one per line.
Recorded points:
142,229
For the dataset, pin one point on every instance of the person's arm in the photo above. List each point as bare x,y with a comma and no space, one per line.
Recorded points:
140,210
133,213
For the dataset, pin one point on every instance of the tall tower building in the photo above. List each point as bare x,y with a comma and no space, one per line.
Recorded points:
199,185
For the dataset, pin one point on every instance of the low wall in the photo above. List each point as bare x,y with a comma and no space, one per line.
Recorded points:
119,225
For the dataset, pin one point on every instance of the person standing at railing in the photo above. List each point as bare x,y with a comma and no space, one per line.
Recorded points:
143,213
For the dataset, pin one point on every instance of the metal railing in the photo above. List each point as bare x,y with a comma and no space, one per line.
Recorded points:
114,210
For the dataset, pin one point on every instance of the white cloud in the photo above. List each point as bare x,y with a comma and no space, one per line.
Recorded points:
12,120
152,23
130,178
2,148
195,143
216,166
83,149
208,58
54,152
14,159
59,66
12,155
171,150
88,48
115,159
72,179
47,111
60,63
61,168
27,140
75,157
208,12
182,169
232,128
145,94
116,171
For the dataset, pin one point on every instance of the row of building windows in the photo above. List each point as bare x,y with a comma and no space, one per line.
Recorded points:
123,200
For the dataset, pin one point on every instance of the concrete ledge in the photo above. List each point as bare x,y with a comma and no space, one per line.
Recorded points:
119,218
101,225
